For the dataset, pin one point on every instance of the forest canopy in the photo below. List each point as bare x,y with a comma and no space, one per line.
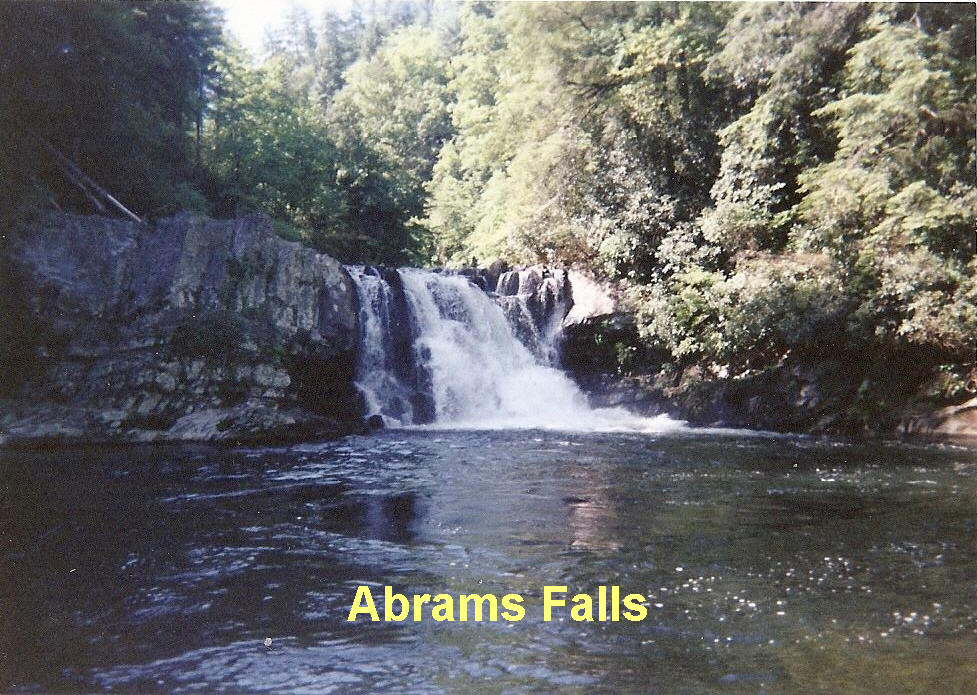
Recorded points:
759,179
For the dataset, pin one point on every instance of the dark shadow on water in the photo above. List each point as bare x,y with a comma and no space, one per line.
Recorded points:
135,555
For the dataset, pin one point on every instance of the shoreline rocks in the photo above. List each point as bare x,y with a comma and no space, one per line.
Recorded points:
192,329
819,394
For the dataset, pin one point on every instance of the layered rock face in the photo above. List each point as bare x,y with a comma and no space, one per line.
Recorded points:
194,329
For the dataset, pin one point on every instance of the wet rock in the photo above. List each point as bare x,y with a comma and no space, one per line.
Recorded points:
485,278
957,420
535,301
823,397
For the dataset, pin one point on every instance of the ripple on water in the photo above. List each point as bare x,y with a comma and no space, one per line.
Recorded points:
794,564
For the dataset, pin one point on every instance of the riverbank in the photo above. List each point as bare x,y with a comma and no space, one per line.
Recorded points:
194,329
821,394
191,329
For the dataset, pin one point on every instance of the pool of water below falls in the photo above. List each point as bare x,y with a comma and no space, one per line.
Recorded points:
769,564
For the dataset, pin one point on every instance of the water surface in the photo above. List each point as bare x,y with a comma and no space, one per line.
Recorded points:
770,564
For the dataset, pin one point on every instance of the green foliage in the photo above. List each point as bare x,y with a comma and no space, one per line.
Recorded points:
781,58
396,103
151,101
334,134
270,152
318,53
899,215
767,180
844,209
771,305
390,120
582,132
118,88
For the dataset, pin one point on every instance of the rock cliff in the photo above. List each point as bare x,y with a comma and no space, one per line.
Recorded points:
191,329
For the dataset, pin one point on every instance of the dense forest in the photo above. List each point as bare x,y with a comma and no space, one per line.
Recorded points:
759,180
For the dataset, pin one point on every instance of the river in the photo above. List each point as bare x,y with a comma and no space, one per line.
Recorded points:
769,564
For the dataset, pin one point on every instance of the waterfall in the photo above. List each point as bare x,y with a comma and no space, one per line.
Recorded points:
534,303
436,349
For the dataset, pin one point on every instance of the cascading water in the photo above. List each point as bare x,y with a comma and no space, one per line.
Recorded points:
534,303
388,374
437,349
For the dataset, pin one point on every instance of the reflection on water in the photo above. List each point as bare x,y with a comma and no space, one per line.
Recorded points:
769,564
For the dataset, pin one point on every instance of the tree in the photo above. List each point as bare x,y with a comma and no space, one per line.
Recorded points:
896,204
584,131
392,114
843,218
781,59
119,89
270,152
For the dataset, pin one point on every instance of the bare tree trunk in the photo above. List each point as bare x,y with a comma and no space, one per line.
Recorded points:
78,177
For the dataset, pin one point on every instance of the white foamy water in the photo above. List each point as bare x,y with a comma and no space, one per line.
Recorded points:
467,370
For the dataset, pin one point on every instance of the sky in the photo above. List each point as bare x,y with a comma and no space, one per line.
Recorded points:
247,20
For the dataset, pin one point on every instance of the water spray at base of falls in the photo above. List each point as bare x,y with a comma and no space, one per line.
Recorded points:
437,350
